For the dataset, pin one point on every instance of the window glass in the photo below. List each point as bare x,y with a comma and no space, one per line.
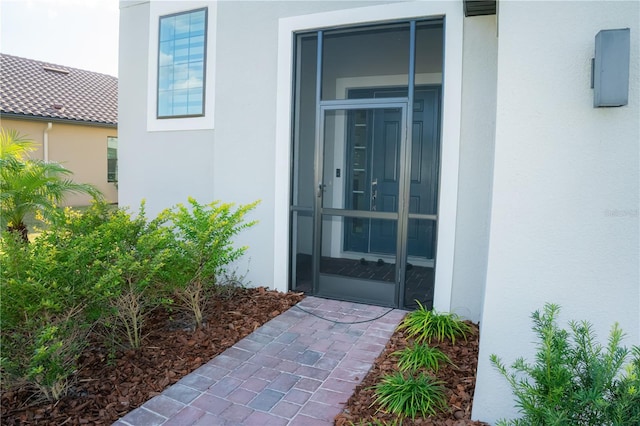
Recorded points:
112,159
181,64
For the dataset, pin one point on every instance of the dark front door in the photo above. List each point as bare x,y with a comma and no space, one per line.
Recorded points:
374,145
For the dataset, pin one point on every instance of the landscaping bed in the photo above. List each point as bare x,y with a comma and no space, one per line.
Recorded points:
459,385
106,388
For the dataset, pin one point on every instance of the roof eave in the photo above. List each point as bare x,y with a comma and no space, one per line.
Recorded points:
56,120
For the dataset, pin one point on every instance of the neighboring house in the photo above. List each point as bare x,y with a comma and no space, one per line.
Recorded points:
472,172
71,113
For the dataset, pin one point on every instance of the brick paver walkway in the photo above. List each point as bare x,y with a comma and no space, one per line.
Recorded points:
297,369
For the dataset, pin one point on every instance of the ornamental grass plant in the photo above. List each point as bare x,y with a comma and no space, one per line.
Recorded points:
412,395
426,325
420,356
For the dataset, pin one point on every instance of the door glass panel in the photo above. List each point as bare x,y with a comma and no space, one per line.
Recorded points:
302,248
425,151
303,193
361,159
354,276
420,267
368,56
429,52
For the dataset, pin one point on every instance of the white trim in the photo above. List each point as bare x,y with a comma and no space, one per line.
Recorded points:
346,83
160,8
452,88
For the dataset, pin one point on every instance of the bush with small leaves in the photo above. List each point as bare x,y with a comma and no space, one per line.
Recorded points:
202,248
44,324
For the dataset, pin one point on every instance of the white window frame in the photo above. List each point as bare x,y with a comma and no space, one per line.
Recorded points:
158,9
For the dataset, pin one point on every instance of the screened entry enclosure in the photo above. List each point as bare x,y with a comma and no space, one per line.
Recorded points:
366,162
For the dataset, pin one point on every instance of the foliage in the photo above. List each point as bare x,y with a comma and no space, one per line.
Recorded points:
411,396
419,355
202,248
122,257
627,392
29,185
55,353
106,269
14,146
425,325
42,322
97,266
574,380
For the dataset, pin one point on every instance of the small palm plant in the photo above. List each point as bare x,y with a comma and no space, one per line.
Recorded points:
28,185
411,396
418,356
425,325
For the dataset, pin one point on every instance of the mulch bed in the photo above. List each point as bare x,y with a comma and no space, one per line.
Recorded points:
460,379
106,389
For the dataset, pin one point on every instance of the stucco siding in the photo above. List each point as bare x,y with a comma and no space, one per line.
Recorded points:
162,168
476,165
235,160
81,149
564,219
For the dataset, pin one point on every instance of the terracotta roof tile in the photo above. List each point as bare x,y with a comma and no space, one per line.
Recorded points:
45,90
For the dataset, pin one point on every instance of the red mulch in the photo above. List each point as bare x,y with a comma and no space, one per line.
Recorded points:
460,382
105,389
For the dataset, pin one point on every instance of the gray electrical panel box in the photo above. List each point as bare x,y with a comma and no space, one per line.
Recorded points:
611,68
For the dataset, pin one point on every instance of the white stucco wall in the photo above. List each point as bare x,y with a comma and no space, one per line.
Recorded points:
230,156
476,165
564,220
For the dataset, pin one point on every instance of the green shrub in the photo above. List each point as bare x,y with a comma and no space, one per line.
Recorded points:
103,267
202,248
42,321
54,358
627,392
574,380
100,265
410,396
419,355
424,325
124,257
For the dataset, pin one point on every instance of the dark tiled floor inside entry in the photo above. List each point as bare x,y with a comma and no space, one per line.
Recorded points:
297,369
418,279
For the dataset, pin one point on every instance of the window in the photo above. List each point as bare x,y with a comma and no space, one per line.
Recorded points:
112,159
181,64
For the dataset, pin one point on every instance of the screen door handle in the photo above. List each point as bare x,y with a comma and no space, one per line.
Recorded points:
374,194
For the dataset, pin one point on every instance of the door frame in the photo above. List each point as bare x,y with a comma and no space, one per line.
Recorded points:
452,15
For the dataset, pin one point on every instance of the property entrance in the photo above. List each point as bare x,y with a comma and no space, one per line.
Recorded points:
373,164
366,163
